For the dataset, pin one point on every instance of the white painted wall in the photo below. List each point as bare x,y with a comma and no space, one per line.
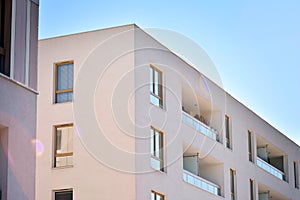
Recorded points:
124,111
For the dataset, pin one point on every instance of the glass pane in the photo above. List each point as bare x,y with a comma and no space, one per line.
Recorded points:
65,76
66,195
64,137
154,100
227,127
151,80
155,164
152,141
158,145
156,82
152,196
159,197
64,97
63,161
58,140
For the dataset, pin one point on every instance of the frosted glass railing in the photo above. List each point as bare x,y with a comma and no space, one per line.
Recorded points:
269,168
199,126
201,183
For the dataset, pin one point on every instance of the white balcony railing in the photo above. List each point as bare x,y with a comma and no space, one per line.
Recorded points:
201,183
199,126
269,168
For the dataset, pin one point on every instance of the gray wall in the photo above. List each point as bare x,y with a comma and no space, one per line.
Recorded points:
18,107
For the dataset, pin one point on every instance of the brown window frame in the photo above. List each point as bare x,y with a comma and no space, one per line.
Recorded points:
160,92
5,36
296,174
161,159
250,146
252,189
233,184
55,155
157,194
228,132
56,80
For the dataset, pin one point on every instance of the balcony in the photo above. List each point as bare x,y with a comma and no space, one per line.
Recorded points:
270,158
203,172
199,126
201,183
269,168
200,113
267,193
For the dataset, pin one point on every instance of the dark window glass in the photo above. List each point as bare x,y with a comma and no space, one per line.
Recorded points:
64,195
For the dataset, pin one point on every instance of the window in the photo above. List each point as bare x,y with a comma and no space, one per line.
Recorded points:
157,196
156,89
232,184
5,27
252,194
64,76
157,152
296,175
250,148
63,146
227,132
63,195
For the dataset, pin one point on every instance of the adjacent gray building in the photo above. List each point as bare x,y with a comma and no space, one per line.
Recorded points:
18,98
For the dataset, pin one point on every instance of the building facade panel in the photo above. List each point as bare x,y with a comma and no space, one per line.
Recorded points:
201,151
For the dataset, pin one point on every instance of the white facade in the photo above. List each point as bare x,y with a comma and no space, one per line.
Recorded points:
111,153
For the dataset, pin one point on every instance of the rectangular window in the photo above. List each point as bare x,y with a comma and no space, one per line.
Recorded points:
232,184
63,145
250,147
64,77
63,195
252,194
157,196
156,88
227,132
5,32
296,175
157,152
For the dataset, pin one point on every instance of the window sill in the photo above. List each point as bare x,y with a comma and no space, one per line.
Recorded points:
18,83
63,167
156,170
160,107
62,103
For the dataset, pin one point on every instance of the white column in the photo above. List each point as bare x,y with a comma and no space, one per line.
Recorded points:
27,55
13,36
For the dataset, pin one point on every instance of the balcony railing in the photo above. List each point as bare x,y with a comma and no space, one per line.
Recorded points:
201,183
199,126
269,168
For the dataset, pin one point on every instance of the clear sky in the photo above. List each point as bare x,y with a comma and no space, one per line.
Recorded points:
255,44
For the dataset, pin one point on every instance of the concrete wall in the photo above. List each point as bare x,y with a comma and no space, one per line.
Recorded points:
101,169
175,72
18,106
112,159
18,117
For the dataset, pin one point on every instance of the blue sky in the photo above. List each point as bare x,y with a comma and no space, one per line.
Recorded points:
255,45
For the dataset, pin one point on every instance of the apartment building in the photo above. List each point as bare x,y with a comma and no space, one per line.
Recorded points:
18,98
121,116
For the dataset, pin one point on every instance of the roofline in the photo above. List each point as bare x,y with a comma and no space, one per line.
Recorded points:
90,31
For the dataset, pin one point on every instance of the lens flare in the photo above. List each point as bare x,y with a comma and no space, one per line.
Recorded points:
39,147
